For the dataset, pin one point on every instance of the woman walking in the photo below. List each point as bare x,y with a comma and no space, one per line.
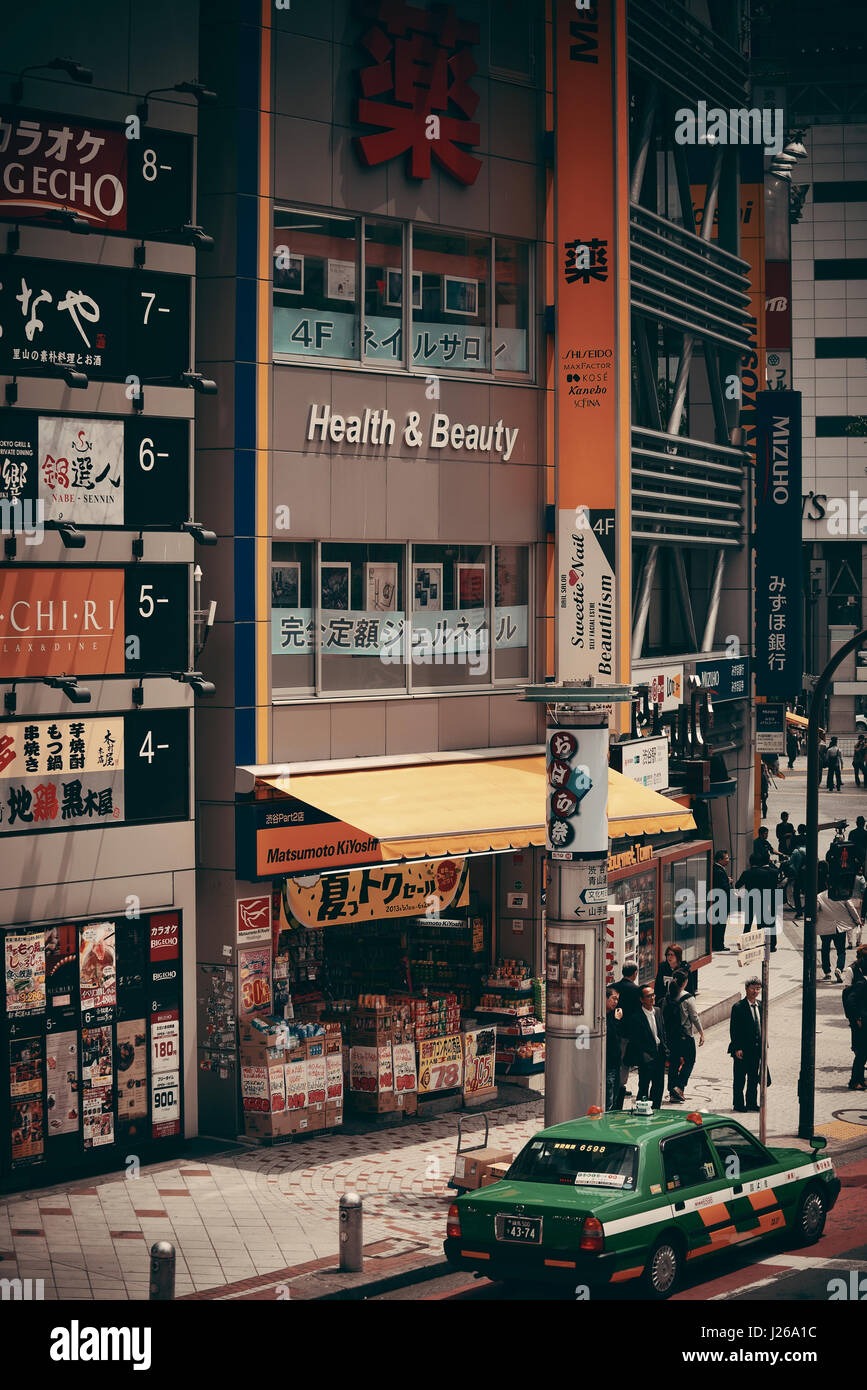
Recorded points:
682,1027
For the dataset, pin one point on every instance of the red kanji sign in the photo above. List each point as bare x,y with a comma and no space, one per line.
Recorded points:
421,66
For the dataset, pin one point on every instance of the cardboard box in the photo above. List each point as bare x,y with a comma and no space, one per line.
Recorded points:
334,1078
258,1052
315,1116
315,1047
317,1082
385,1068
333,1113
472,1167
295,1074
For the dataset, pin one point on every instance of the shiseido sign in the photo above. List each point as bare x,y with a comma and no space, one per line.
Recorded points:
140,186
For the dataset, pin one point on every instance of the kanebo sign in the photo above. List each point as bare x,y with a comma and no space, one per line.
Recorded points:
378,427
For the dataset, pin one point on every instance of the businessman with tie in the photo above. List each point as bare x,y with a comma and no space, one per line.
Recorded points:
745,1048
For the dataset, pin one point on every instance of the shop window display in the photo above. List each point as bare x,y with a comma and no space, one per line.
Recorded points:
684,897
451,326
451,615
292,617
362,617
315,285
637,893
331,303
511,629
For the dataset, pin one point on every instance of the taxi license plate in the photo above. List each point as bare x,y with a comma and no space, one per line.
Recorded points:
526,1230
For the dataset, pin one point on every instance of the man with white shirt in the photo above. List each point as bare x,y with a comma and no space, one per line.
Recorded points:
648,1048
745,1048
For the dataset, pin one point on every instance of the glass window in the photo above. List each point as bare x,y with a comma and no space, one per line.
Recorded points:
511,612
732,1143
383,291
512,23
362,617
451,324
684,899
637,893
511,306
315,285
687,1161
292,652
450,615
577,1163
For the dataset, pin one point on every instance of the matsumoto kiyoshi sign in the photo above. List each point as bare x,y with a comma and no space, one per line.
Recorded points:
377,427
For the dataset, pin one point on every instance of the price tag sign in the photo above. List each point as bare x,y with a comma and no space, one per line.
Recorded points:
440,1064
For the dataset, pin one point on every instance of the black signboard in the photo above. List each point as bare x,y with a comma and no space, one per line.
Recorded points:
778,549
727,677
91,1041
140,187
96,471
86,771
156,612
105,322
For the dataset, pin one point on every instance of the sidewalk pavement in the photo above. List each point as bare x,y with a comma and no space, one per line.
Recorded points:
251,1222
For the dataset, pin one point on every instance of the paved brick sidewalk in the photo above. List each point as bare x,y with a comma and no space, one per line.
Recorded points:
243,1213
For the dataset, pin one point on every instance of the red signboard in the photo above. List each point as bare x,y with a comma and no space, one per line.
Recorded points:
420,68
61,622
165,936
48,164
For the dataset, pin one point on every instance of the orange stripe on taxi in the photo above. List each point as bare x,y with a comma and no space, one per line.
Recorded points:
768,1198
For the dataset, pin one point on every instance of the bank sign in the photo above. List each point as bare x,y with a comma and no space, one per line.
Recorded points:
142,187
778,550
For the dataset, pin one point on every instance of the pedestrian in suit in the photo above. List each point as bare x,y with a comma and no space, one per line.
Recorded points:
613,1019
745,1048
834,762
722,883
855,1006
629,996
648,1048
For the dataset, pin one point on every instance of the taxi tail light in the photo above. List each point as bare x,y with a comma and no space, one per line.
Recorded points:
591,1234
453,1224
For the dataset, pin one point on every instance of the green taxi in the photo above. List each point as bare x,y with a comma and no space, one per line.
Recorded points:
620,1196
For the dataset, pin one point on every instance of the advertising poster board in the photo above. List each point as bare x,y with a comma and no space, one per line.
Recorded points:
61,1073
479,1048
440,1063
97,965
132,1070
25,972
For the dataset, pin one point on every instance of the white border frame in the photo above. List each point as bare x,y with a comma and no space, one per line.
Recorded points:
433,565
389,301
284,289
285,565
369,567
331,270
459,280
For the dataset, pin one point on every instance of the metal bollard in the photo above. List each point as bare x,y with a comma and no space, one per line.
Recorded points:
351,1239
162,1271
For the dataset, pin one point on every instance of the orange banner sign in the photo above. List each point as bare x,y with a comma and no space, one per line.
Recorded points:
61,622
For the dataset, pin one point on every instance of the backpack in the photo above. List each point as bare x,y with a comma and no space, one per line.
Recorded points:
674,1016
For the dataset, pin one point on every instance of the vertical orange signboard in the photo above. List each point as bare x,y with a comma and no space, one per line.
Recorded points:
592,594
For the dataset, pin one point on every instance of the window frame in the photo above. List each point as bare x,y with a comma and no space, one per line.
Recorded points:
768,1160
687,1187
412,687
406,366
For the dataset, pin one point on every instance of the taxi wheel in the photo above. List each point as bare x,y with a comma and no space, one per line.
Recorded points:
810,1219
662,1271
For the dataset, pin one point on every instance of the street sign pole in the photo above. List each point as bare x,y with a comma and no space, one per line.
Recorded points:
766,980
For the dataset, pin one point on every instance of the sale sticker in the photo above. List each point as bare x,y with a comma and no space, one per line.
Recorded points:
166,1104
404,1067
165,1041
440,1063
254,979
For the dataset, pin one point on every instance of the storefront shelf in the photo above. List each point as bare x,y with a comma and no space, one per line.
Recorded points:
508,991
520,1032
499,1013
522,1068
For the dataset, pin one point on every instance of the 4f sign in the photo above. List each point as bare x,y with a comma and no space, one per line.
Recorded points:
254,919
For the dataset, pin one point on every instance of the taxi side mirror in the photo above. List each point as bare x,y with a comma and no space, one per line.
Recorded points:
818,1142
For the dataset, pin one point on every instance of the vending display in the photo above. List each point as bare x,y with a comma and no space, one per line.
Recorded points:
91,1036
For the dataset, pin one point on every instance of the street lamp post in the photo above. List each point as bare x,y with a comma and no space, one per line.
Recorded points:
807,1078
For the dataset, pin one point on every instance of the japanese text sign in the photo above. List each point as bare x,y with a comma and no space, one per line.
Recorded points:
778,549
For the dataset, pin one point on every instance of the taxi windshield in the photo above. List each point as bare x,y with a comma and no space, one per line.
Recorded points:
577,1163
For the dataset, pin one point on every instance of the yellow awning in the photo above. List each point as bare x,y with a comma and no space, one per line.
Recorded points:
434,810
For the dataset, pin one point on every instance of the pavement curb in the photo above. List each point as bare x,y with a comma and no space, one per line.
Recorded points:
419,1274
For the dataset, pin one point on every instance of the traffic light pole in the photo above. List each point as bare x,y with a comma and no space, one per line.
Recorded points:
807,1078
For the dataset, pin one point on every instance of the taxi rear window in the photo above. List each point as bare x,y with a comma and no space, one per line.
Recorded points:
577,1163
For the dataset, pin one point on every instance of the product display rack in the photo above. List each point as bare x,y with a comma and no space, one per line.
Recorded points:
509,1026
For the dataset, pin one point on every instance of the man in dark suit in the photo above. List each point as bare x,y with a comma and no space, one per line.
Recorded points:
648,1049
629,999
745,1048
722,884
761,901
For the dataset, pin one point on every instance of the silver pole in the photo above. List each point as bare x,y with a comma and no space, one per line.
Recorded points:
709,637
766,977
162,1281
644,141
642,607
351,1233
576,914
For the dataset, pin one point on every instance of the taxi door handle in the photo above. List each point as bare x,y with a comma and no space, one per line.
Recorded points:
680,1206
738,1190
